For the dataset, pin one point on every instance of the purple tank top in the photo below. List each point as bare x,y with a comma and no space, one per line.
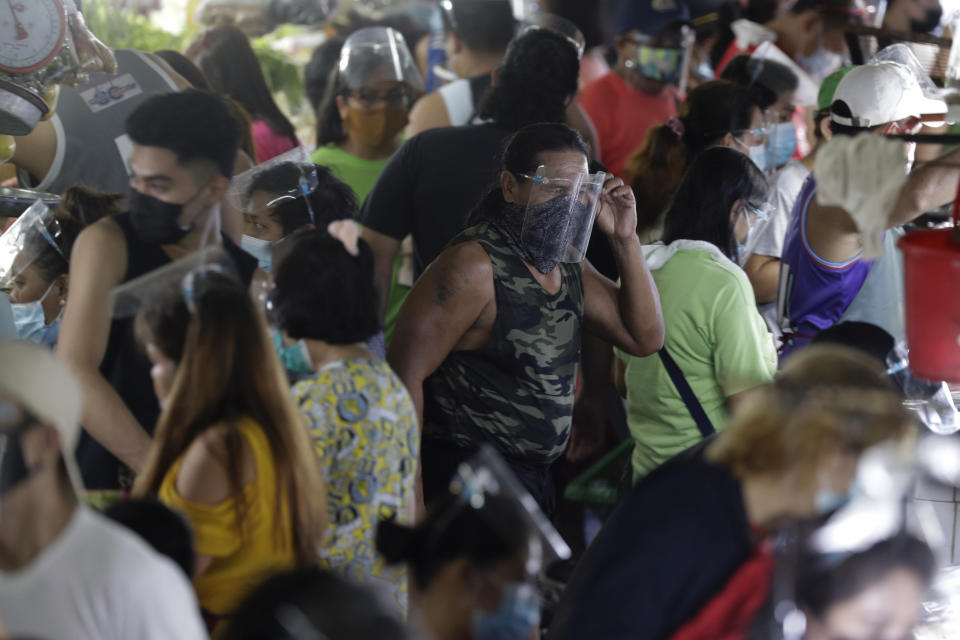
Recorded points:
813,293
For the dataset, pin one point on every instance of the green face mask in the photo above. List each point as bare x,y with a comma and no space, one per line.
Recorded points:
661,65
295,358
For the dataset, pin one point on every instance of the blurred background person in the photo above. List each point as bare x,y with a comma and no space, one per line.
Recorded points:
360,124
230,451
40,281
477,558
716,341
477,35
717,113
876,593
641,91
594,21
811,32
231,68
275,206
313,603
65,570
695,528
762,262
167,531
359,414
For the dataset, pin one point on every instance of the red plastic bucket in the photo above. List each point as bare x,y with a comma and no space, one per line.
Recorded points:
931,261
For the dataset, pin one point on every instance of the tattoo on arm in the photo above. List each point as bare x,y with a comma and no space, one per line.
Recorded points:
448,284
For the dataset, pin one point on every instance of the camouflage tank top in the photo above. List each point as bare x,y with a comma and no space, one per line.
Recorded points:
516,391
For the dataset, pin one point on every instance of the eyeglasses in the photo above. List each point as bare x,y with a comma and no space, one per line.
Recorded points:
759,133
757,213
554,186
369,98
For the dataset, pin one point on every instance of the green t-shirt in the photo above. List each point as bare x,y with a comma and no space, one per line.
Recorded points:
716,336
361,175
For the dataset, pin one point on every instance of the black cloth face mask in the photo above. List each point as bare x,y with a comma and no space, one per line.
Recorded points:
547,234
156,221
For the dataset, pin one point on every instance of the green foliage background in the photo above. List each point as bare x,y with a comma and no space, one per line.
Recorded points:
126,29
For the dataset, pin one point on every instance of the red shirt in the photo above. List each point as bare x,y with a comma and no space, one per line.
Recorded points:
622,114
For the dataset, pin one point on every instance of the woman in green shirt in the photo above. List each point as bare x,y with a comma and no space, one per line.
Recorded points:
360,122
713,330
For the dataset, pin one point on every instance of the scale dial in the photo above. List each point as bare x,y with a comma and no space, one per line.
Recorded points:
31,34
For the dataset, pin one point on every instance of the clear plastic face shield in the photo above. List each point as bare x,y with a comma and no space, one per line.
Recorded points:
485,477
171,280
664,58
932,107
377,60
35,231
558,25
273,198
931,402
560,212
880,512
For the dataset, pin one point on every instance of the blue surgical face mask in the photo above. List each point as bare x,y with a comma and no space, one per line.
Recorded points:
295,357
31,323
785,143
262,250
827,501
757,153
821,64
517,615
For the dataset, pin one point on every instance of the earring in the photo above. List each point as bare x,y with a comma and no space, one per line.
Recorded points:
63,302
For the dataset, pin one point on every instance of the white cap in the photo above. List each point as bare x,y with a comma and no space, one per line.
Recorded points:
881,93
32,377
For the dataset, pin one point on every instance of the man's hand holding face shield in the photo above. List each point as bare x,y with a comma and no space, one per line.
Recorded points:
560,210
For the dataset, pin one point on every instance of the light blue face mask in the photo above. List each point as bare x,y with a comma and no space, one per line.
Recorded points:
262,250
785,143
295,357
31,323
518,613
829,501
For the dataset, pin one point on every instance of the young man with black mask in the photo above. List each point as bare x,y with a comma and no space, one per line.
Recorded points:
184,150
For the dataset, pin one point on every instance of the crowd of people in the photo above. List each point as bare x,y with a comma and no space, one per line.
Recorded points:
260,387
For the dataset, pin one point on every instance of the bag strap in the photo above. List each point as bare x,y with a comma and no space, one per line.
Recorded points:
686,393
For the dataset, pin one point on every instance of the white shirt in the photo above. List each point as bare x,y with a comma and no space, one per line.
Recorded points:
98,581
769,237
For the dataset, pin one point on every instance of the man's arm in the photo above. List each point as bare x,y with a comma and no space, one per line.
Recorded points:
764,274
627,316
388,214
97,264
450,308
384,250
429,112
930,186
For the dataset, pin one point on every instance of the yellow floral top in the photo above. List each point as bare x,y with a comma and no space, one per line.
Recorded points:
364,428
241,561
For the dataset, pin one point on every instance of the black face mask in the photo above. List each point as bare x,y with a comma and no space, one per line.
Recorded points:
546,235
13,468
929,23
156,221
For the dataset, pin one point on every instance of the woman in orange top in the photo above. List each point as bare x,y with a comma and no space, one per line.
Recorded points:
229,451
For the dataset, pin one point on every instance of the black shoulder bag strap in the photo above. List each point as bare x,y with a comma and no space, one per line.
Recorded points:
689,399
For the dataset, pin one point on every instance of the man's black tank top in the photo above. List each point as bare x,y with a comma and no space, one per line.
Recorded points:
126,367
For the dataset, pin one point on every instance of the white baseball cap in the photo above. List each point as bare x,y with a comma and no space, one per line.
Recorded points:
881,93
32,377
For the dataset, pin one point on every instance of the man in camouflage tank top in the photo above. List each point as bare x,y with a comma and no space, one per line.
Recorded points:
489,339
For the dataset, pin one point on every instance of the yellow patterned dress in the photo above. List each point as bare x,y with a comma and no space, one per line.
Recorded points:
364,428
